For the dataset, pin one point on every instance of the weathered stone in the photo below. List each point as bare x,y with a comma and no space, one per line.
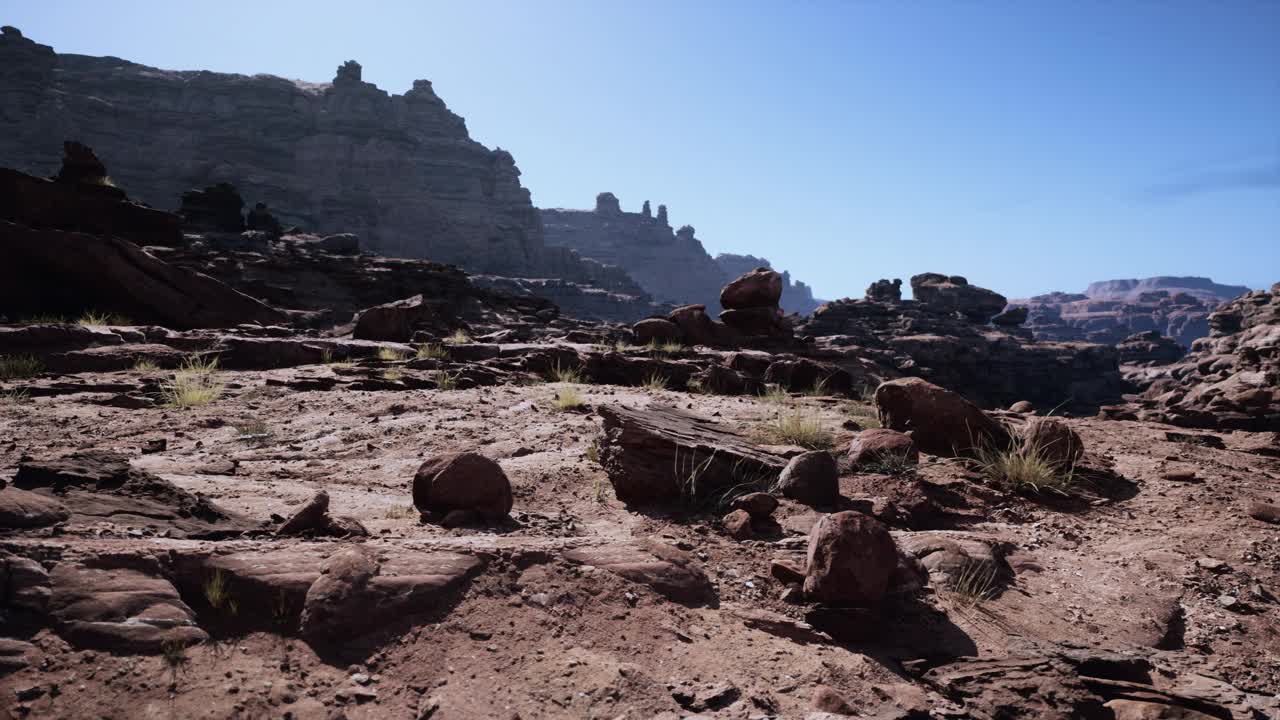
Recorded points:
217,208
23,509
955,294
883,446
941,422
1053,440
797,297
671,572
656,330
759,505
812,478
662,455
463,481
851,559
128,608
761,287
884,291
737,524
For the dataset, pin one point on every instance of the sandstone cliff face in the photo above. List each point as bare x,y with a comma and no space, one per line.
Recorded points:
1112,310
797,297
672,266
399,170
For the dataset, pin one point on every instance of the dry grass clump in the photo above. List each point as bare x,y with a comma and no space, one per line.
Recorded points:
795,427
432,351
44,319
194,384
975,583
93,318
561,374
13,397
387,354
444,380
146,366
864,415
402,512
217,592
251,429
1025,469
459,337
654,381
20,367
774,394
666,347
393,374
568,399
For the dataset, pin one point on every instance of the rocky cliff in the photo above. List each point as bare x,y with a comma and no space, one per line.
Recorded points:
344,156
1112,310
671,265
797,297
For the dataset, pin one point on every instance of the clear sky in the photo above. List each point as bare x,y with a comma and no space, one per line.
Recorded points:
1031,146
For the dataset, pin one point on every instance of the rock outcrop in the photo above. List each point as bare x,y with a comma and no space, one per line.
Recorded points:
954,294
1230,380
400,171
1112,310
797,297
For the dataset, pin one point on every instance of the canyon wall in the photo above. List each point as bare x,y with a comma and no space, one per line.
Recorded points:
1111,310
401,171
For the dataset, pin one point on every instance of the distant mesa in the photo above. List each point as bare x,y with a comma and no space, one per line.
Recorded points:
1110,311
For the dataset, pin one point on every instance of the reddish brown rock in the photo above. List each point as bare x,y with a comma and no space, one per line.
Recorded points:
758,505
658,330
1265,512
880,445
737,525
812,478
851,560
827,700
940,421
23,509
671,572
1022,406
463,481
761,287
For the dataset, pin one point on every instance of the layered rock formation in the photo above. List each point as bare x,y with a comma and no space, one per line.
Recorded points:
399,170
1111,310
1230,380
797,297
671,265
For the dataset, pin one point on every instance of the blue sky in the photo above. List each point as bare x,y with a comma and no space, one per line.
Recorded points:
1031,146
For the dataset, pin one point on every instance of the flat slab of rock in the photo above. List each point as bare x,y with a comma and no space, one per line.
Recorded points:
661,455
25,509
668,570
124,609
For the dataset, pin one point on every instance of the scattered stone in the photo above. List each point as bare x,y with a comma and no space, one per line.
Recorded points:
758,505
882,446
1022,406
1265,512
826,699
23,509
737,524
850,560
463,481
812,478
941,422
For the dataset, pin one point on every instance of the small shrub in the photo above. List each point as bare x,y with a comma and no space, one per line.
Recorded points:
92,318
431,351
281,610
567,399
774,394
593,453
145,366
14,397
794,427
217,592
1025,470
666,347
252,429
459,337
654,381
194,384
975,583
20,367
597,489
694,385
444,380
401,512
387,354
819,388
565,375
175,658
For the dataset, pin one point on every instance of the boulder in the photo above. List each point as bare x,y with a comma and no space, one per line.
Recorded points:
697,328
737,525
1053,440
661,455
658,330
759,505
759,288
884,291
941,422
883,446
24,509
757,321
804,375
812,478
463,481
1013,317
217,208
851,560
125,607
397,321
1022,407
954,294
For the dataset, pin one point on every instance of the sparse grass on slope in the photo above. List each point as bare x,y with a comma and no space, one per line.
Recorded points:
795,427
194,384
19,367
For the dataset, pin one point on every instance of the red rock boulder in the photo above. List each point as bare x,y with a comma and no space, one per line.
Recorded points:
940,421
851,560
883,446
761,287
463,481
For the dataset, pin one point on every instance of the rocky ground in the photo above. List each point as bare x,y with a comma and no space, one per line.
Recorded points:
1160,577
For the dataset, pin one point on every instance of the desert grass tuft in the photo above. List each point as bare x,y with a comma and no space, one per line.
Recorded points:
774,394
459,337
974,583
20,367
1025,469
654,381
194,384
432,351
563,374
568,399
217,592
16,396
392,375
401,512
93,318
387,354
251,429
444,380
795,427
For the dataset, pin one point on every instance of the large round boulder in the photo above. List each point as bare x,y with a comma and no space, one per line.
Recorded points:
851,560
940,421
462,481
880,446
655,330
812,478
761,287
1053,440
